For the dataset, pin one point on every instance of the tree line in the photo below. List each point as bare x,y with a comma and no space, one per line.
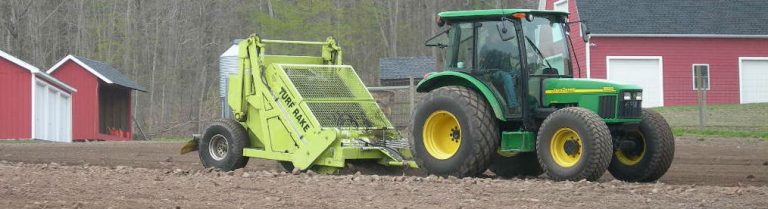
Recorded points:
171,47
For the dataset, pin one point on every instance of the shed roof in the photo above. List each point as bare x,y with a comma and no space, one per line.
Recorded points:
103,71
682,17
36,71
405,67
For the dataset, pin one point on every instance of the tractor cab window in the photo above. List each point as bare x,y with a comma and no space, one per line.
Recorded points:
546,51
459,57
546,46
498,61
493,53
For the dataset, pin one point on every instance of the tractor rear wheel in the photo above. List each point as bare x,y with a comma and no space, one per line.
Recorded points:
453,133
574,144
651,155
222,145
523,164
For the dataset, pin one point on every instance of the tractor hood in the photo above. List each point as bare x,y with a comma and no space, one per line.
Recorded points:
585,86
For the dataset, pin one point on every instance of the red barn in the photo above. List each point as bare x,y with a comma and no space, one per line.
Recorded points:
659,44
33,105
102,107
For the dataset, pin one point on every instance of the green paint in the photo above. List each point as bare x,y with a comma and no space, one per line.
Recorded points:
518,141
585,93
455,78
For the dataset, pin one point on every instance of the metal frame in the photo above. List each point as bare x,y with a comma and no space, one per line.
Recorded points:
661,70
741,74
281,120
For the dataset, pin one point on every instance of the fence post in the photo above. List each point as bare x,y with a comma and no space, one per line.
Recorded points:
701,96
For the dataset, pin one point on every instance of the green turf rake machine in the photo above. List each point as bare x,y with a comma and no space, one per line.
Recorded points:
307,112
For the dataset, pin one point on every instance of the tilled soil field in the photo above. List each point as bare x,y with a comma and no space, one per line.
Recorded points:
706,173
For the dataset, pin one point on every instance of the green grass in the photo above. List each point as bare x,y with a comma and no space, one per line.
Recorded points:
731,120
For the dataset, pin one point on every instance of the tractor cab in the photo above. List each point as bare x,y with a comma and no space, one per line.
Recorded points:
511,52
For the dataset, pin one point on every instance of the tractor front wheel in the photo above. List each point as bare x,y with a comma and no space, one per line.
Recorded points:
651,153
574,144
454,133
222,145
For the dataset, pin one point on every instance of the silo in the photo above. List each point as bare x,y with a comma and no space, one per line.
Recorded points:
227,66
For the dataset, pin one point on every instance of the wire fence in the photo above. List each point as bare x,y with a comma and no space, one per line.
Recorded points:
397,103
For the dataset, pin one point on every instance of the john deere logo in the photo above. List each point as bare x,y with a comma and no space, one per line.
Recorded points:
607,89
561,91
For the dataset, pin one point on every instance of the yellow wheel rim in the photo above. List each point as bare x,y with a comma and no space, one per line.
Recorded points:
566,147
442,134
632,159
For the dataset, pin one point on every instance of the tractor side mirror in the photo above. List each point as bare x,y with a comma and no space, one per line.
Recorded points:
584,31
506,30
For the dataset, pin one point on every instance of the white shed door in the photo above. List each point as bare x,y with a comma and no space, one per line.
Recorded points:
643,71
53,113
754,80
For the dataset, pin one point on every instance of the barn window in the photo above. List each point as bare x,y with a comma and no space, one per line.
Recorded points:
700,76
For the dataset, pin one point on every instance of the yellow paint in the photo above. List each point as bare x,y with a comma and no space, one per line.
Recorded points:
557,147
627,159
442,135
607,89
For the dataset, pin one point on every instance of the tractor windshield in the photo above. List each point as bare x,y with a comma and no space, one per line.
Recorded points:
546,46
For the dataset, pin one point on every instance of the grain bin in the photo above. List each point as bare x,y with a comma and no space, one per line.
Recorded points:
227,67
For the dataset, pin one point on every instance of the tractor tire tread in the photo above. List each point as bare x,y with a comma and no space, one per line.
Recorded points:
239,139
659,165
603,146
478,161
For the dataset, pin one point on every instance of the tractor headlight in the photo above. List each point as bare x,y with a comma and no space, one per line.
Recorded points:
639,96
627,95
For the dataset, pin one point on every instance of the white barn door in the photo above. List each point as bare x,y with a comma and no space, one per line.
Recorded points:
53,113
645,71
753,76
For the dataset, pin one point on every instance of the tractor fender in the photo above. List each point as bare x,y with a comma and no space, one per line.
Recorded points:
453,78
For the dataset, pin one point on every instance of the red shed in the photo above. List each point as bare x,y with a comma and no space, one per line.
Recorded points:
659,44
102,107
33,105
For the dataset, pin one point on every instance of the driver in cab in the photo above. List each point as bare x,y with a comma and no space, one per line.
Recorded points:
497,57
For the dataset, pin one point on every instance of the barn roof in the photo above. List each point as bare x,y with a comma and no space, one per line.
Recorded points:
405,67
36,71
679,17
105,72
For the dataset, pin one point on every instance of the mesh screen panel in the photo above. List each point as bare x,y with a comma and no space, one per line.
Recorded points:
336,96
321,82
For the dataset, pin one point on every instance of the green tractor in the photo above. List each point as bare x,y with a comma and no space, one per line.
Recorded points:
507,100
